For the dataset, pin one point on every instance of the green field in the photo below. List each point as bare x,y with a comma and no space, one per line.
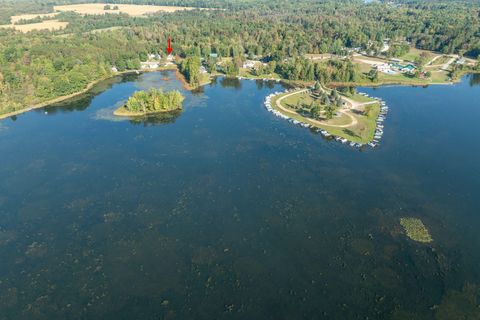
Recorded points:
415,53
247,74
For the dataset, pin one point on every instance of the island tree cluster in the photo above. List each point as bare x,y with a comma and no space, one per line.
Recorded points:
153,101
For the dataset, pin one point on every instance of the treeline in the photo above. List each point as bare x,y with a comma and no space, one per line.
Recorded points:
190,68
324,72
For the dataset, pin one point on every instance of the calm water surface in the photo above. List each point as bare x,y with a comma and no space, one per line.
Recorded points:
226,212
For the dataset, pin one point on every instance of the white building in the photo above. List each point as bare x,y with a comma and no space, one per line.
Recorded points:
149,65
249,64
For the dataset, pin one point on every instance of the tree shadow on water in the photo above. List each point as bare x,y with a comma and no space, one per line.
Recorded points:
157,119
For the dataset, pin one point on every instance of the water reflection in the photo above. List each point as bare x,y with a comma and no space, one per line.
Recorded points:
474,79
157,119
83,101
228,82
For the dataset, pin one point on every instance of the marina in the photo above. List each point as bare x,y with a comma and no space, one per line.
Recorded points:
379,129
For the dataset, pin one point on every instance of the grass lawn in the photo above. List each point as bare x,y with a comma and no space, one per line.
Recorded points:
358,97
247,74
400,78
440,77
414,53
363,67
441,60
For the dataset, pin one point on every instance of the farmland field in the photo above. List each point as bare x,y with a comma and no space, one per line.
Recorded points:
15,19
130,9
44,25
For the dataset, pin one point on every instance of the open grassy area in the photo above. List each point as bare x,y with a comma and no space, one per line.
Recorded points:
358,97
440,77
247,74
400,78
15,19
441,60
305,99
44,25
414,53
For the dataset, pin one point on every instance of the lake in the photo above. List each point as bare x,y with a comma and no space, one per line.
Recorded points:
227,212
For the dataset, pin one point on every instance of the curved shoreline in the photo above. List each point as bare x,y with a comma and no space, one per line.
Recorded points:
62,98
75,94
185,84
321,127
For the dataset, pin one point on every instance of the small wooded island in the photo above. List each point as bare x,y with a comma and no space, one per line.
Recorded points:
143,103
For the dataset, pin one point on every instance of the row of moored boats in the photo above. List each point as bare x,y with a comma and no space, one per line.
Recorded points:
379,122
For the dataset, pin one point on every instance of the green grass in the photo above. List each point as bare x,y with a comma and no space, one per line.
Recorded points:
414,53
358,97
440,77
247,74
400,78
442,60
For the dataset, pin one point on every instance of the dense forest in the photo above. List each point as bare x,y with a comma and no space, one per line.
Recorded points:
38,66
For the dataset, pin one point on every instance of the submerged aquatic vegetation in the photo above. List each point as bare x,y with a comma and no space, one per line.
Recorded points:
462,304
416,230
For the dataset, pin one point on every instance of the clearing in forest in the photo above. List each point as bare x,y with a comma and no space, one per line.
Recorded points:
15,19
44,25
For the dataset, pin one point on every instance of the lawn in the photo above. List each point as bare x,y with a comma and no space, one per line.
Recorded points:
414,53
440,77
442,60
358,97
246,73
400,78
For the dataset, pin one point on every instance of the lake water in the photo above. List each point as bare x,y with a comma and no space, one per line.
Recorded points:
226,212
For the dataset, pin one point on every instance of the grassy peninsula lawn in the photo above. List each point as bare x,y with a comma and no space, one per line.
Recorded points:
143,103
354,120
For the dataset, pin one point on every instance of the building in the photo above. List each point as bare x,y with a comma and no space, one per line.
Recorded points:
154,56
149,65
250,64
